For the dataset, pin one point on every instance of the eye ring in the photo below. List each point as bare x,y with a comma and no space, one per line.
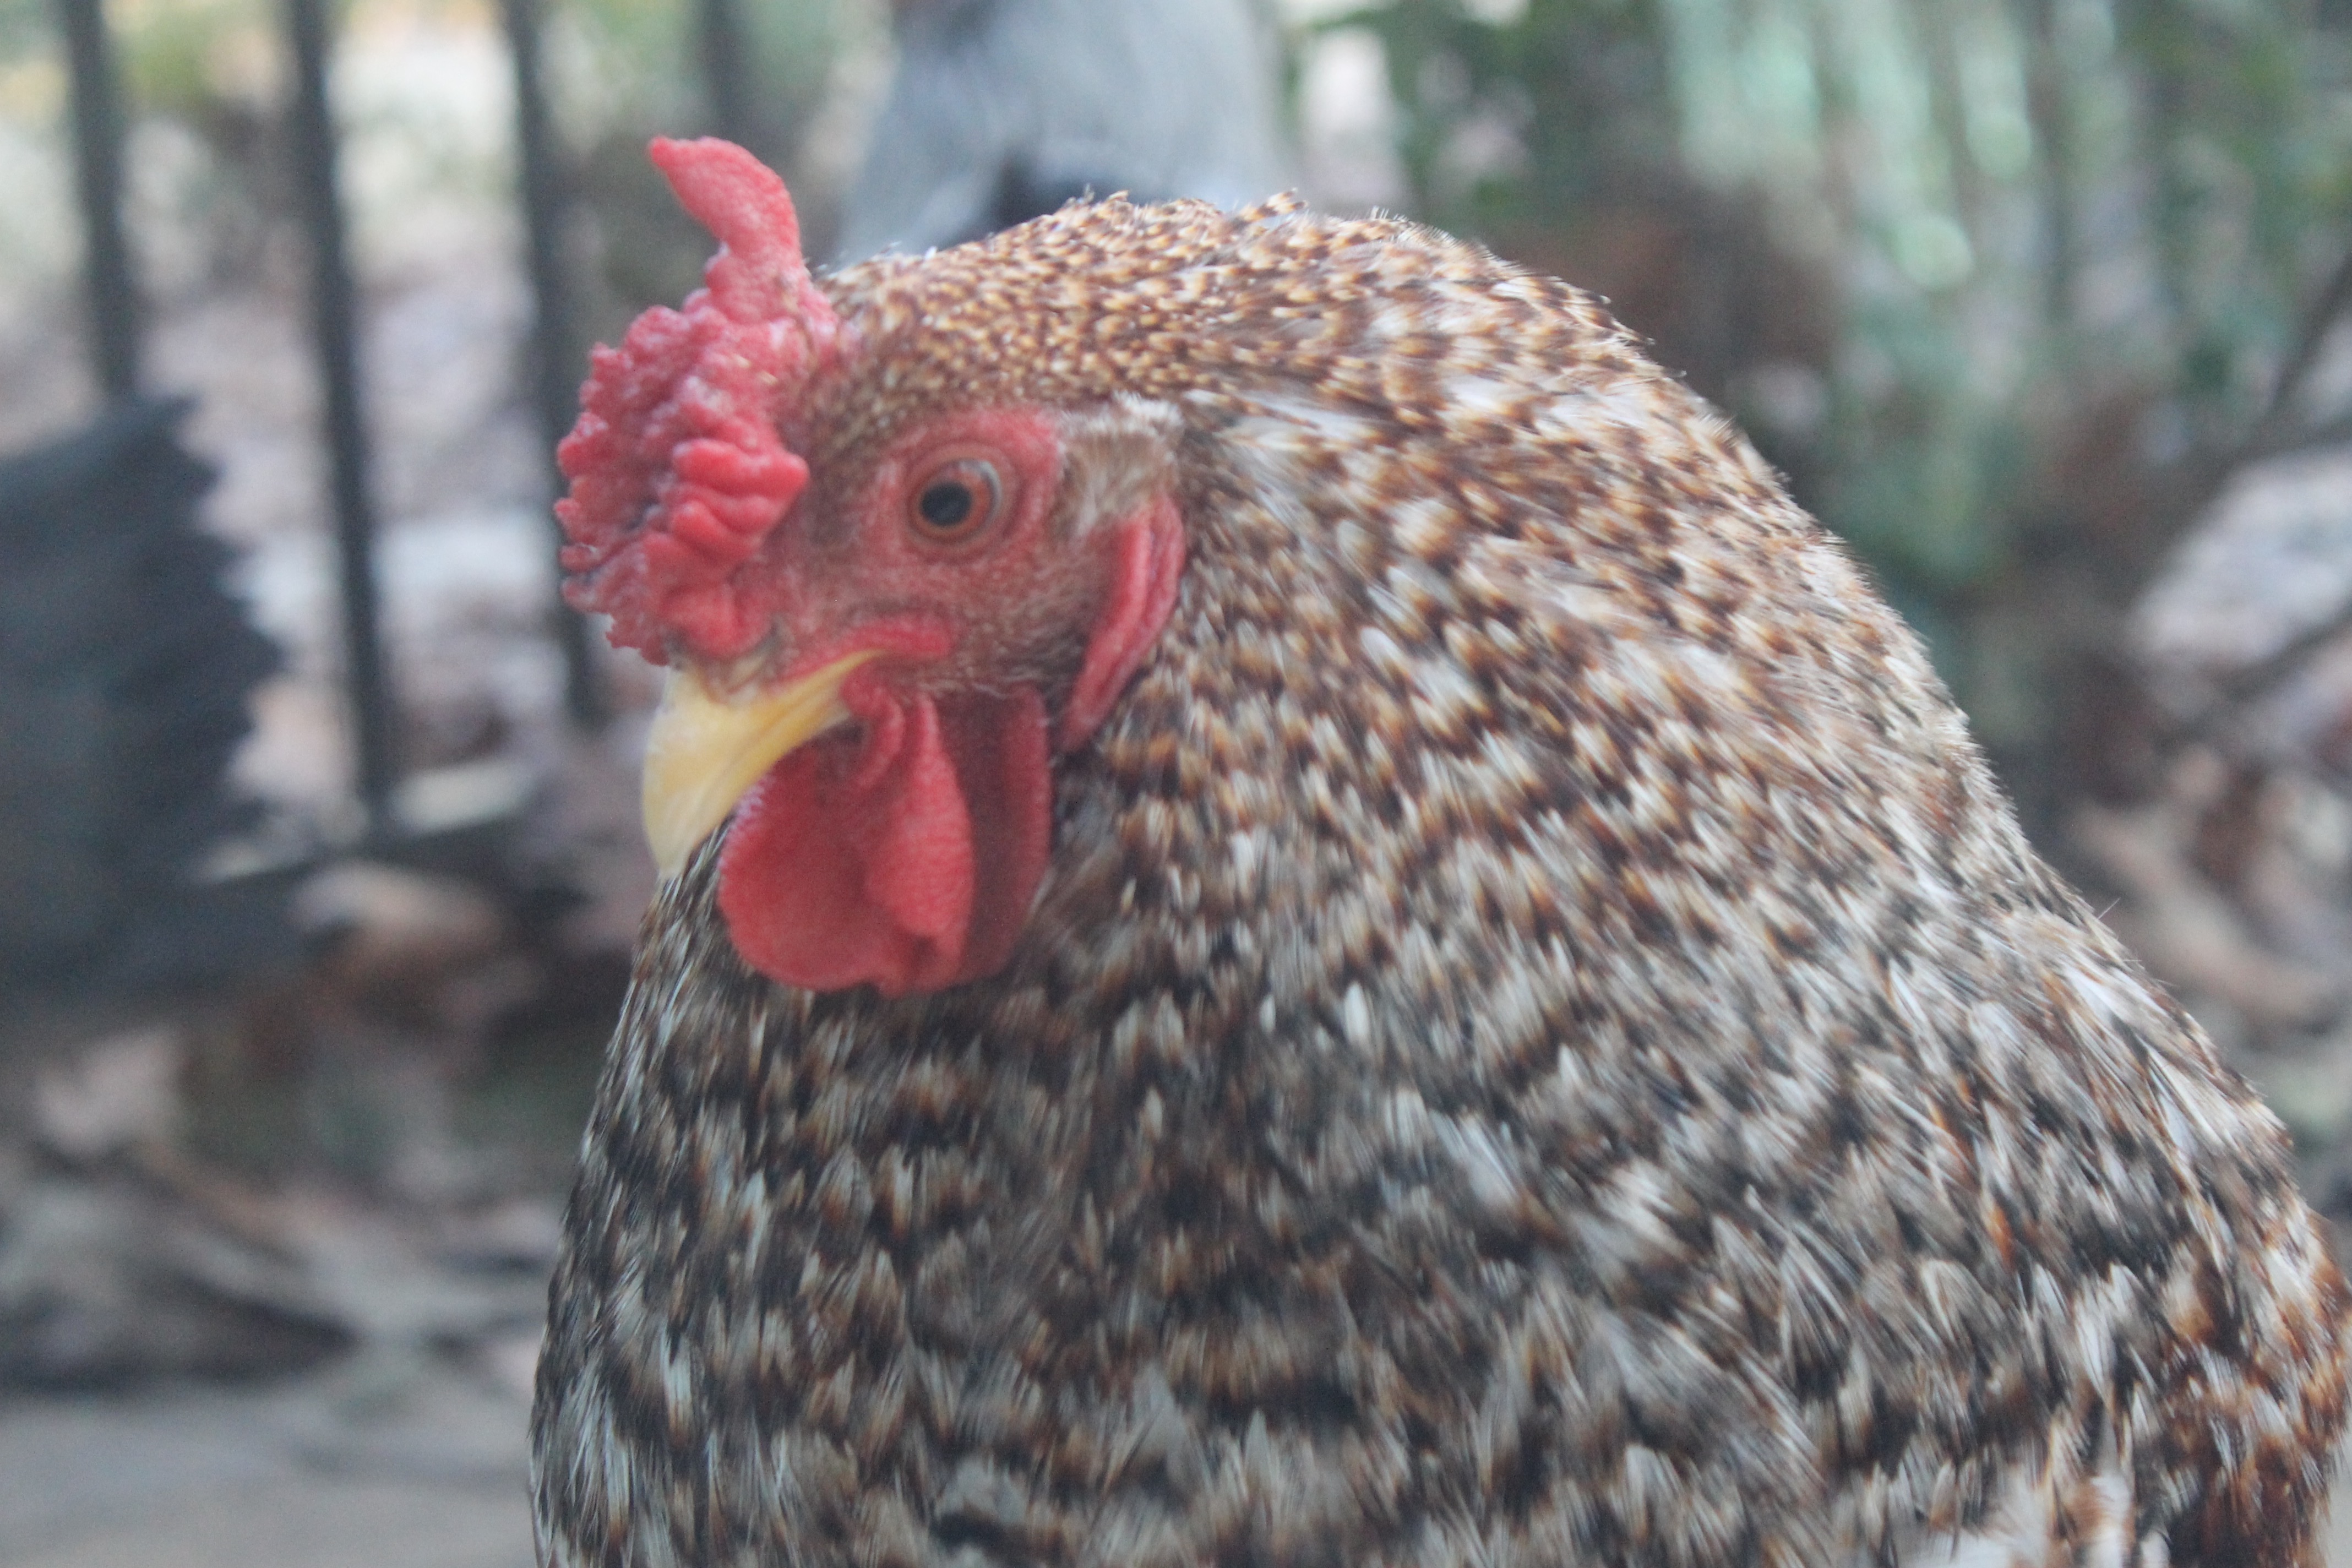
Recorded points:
956,502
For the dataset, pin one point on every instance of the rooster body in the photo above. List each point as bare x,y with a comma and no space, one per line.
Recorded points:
1536,1040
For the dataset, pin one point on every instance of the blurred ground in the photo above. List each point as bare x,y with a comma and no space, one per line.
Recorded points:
272,1276
421,1471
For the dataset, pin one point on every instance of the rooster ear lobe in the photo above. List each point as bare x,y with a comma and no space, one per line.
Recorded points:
1147,567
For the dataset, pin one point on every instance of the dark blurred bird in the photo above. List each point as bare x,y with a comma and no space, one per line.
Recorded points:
1001,110
126,670
1308,923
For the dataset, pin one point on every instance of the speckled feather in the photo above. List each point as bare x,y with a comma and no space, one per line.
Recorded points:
1540,1042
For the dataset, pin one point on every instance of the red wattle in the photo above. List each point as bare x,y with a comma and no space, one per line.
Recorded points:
905,857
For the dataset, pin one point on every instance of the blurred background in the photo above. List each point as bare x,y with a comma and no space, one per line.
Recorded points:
318,864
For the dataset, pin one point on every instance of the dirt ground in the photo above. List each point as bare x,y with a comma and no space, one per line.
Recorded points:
372,1468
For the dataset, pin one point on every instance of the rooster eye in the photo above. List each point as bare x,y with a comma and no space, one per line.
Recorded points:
957,502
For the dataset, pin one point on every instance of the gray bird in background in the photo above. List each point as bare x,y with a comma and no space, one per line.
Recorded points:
1004,110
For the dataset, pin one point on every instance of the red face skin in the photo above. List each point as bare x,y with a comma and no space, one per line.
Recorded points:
905,851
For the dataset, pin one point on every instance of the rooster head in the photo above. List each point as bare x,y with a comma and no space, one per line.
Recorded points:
879,633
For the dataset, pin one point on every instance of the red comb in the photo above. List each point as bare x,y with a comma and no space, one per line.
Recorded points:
677,468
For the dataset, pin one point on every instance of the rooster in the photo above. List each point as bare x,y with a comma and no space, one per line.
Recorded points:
1306,923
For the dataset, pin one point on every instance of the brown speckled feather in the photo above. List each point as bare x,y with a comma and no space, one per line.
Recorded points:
1540,1043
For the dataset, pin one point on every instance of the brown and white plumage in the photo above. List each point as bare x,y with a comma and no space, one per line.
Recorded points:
1539,1041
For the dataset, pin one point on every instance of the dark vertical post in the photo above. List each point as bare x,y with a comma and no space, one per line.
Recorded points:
114,299
335,323
2049,106
727,70
555,370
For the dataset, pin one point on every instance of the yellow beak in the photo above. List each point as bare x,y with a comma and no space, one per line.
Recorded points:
705,750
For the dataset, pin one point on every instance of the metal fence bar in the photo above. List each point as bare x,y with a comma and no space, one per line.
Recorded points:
727,71
334,323
554,347
116,316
